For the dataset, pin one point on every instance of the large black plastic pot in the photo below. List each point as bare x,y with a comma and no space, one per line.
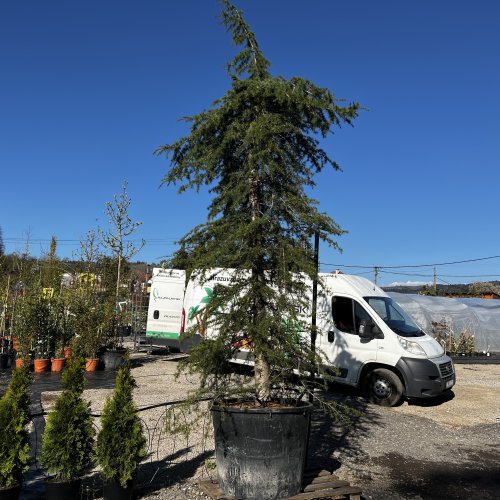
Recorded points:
62,490
261,452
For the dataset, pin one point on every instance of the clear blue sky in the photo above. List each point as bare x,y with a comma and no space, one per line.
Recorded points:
90,88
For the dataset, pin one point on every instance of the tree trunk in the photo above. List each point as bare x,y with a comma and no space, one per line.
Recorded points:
262,368
262,378
118,276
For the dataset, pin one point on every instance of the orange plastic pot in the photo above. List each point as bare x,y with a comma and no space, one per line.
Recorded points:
41,365
57,364
19,362
91,364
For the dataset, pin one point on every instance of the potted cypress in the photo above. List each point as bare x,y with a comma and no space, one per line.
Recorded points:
258,150
14,444
68,437
121,444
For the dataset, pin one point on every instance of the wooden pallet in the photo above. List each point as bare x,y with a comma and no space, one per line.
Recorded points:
317,484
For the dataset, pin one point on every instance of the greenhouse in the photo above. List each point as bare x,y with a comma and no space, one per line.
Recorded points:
470,322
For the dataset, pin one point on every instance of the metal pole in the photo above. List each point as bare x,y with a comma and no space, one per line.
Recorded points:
314,299
315,292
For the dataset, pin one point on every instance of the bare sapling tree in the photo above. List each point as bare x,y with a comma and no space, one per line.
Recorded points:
121,226
90,249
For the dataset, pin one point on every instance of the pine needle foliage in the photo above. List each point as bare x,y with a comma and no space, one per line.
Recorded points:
68,437
257,149
14,417
121,444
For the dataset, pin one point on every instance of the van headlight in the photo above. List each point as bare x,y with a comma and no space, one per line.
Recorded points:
440,350
412,347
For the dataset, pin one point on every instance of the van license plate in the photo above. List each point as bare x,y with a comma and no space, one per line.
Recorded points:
449,384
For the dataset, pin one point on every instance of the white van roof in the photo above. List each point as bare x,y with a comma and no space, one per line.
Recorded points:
351,285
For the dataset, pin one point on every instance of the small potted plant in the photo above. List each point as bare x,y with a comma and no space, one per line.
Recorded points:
63,325
114,353
121,444
34,329
14,444
91,319
23,330
59,359
68,437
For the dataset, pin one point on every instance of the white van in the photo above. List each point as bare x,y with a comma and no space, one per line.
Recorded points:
370,340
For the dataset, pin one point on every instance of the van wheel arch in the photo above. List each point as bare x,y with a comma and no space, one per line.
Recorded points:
382,385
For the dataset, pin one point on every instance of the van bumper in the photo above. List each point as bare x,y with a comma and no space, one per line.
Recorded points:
427,378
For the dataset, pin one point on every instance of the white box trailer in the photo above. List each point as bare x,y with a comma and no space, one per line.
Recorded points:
166,302
370,340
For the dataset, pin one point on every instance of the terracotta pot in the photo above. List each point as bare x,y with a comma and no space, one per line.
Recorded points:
19,362
15,343
42,365
57,364
67,351
91,364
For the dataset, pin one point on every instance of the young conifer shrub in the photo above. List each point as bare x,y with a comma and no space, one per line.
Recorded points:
121,444
14,443
68,438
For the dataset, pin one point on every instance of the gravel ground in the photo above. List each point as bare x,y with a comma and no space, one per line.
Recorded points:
441,449
445,449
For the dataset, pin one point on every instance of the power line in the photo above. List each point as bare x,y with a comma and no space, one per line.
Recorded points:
413,265
444,275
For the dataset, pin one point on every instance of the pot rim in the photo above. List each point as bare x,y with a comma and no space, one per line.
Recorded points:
290,406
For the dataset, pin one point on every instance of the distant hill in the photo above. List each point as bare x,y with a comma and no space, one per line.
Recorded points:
442,290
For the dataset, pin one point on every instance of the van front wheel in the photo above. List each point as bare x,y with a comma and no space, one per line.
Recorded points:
383,387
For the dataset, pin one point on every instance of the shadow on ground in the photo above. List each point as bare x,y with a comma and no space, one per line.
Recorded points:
329,435
477,477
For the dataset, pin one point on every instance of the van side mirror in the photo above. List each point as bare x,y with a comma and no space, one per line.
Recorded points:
369,330
365,329
377,332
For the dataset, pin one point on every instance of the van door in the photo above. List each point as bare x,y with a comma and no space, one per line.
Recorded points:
344,348
165,305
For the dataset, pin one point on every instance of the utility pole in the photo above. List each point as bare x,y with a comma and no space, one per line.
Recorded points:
315,291
375,274
435,282
314,300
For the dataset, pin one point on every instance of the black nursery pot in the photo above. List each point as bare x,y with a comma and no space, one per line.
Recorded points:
11,493
113,358
62,490
4,360
113,490
261,452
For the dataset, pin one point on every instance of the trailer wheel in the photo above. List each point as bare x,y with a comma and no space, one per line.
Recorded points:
383,387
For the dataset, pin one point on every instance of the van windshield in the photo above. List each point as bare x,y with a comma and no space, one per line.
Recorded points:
394,316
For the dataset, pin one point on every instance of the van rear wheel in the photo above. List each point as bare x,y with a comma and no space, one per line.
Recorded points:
383,387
